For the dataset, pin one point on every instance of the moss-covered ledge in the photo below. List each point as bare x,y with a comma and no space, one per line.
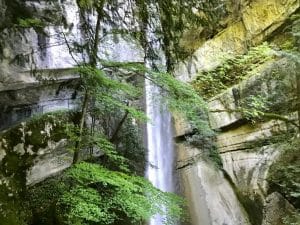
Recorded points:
22,148
274,82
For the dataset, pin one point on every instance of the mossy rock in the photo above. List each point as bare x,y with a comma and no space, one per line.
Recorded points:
19,147
284,174
253,204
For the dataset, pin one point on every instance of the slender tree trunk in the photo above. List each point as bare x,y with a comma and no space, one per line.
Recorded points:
298,97
92,132
93,63
95,47
118,128
81,126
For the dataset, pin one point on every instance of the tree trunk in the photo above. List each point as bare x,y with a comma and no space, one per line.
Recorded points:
298,97
94,53
81,126
93,63
118,128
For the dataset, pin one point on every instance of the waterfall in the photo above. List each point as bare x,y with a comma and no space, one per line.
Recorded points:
160,146
160,169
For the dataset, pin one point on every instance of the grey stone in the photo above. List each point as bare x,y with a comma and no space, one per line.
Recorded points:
275,209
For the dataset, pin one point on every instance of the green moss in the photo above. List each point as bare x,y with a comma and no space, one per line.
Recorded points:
276,138
232,71
253,206
293,219
13,209
42,199
18,14
130,146
251,202
284,174
30,22
20,144
14,9
207,145
288,44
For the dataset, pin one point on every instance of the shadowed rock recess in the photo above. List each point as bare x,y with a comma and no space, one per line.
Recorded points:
241,56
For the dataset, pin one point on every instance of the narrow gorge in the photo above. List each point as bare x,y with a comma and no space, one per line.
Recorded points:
149,112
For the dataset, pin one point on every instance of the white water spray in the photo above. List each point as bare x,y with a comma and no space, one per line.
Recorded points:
160,146
160,169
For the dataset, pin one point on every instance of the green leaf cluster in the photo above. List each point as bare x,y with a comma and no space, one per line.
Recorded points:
110,92
254,107
130,145
210,83
293,219
179,97
30,22
101,196
98,141
284,175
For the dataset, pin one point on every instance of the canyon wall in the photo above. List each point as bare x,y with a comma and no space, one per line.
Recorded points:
37,77
247,148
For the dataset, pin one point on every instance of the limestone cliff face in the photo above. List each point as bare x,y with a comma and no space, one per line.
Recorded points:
247,149
211,199
37,77
259,19
37,60
28,56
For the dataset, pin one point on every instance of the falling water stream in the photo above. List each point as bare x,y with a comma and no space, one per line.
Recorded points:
160,146
160,169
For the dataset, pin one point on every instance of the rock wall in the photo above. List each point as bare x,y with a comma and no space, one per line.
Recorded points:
29,152
37,76
259,19
36,60
211,197
247,149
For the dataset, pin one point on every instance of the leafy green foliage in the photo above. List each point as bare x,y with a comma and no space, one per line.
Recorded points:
85,3
293,219
284,175
254,107
178,96
130,145
232,71
30,22
182,99
97,141
110,92
42,198
104,196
